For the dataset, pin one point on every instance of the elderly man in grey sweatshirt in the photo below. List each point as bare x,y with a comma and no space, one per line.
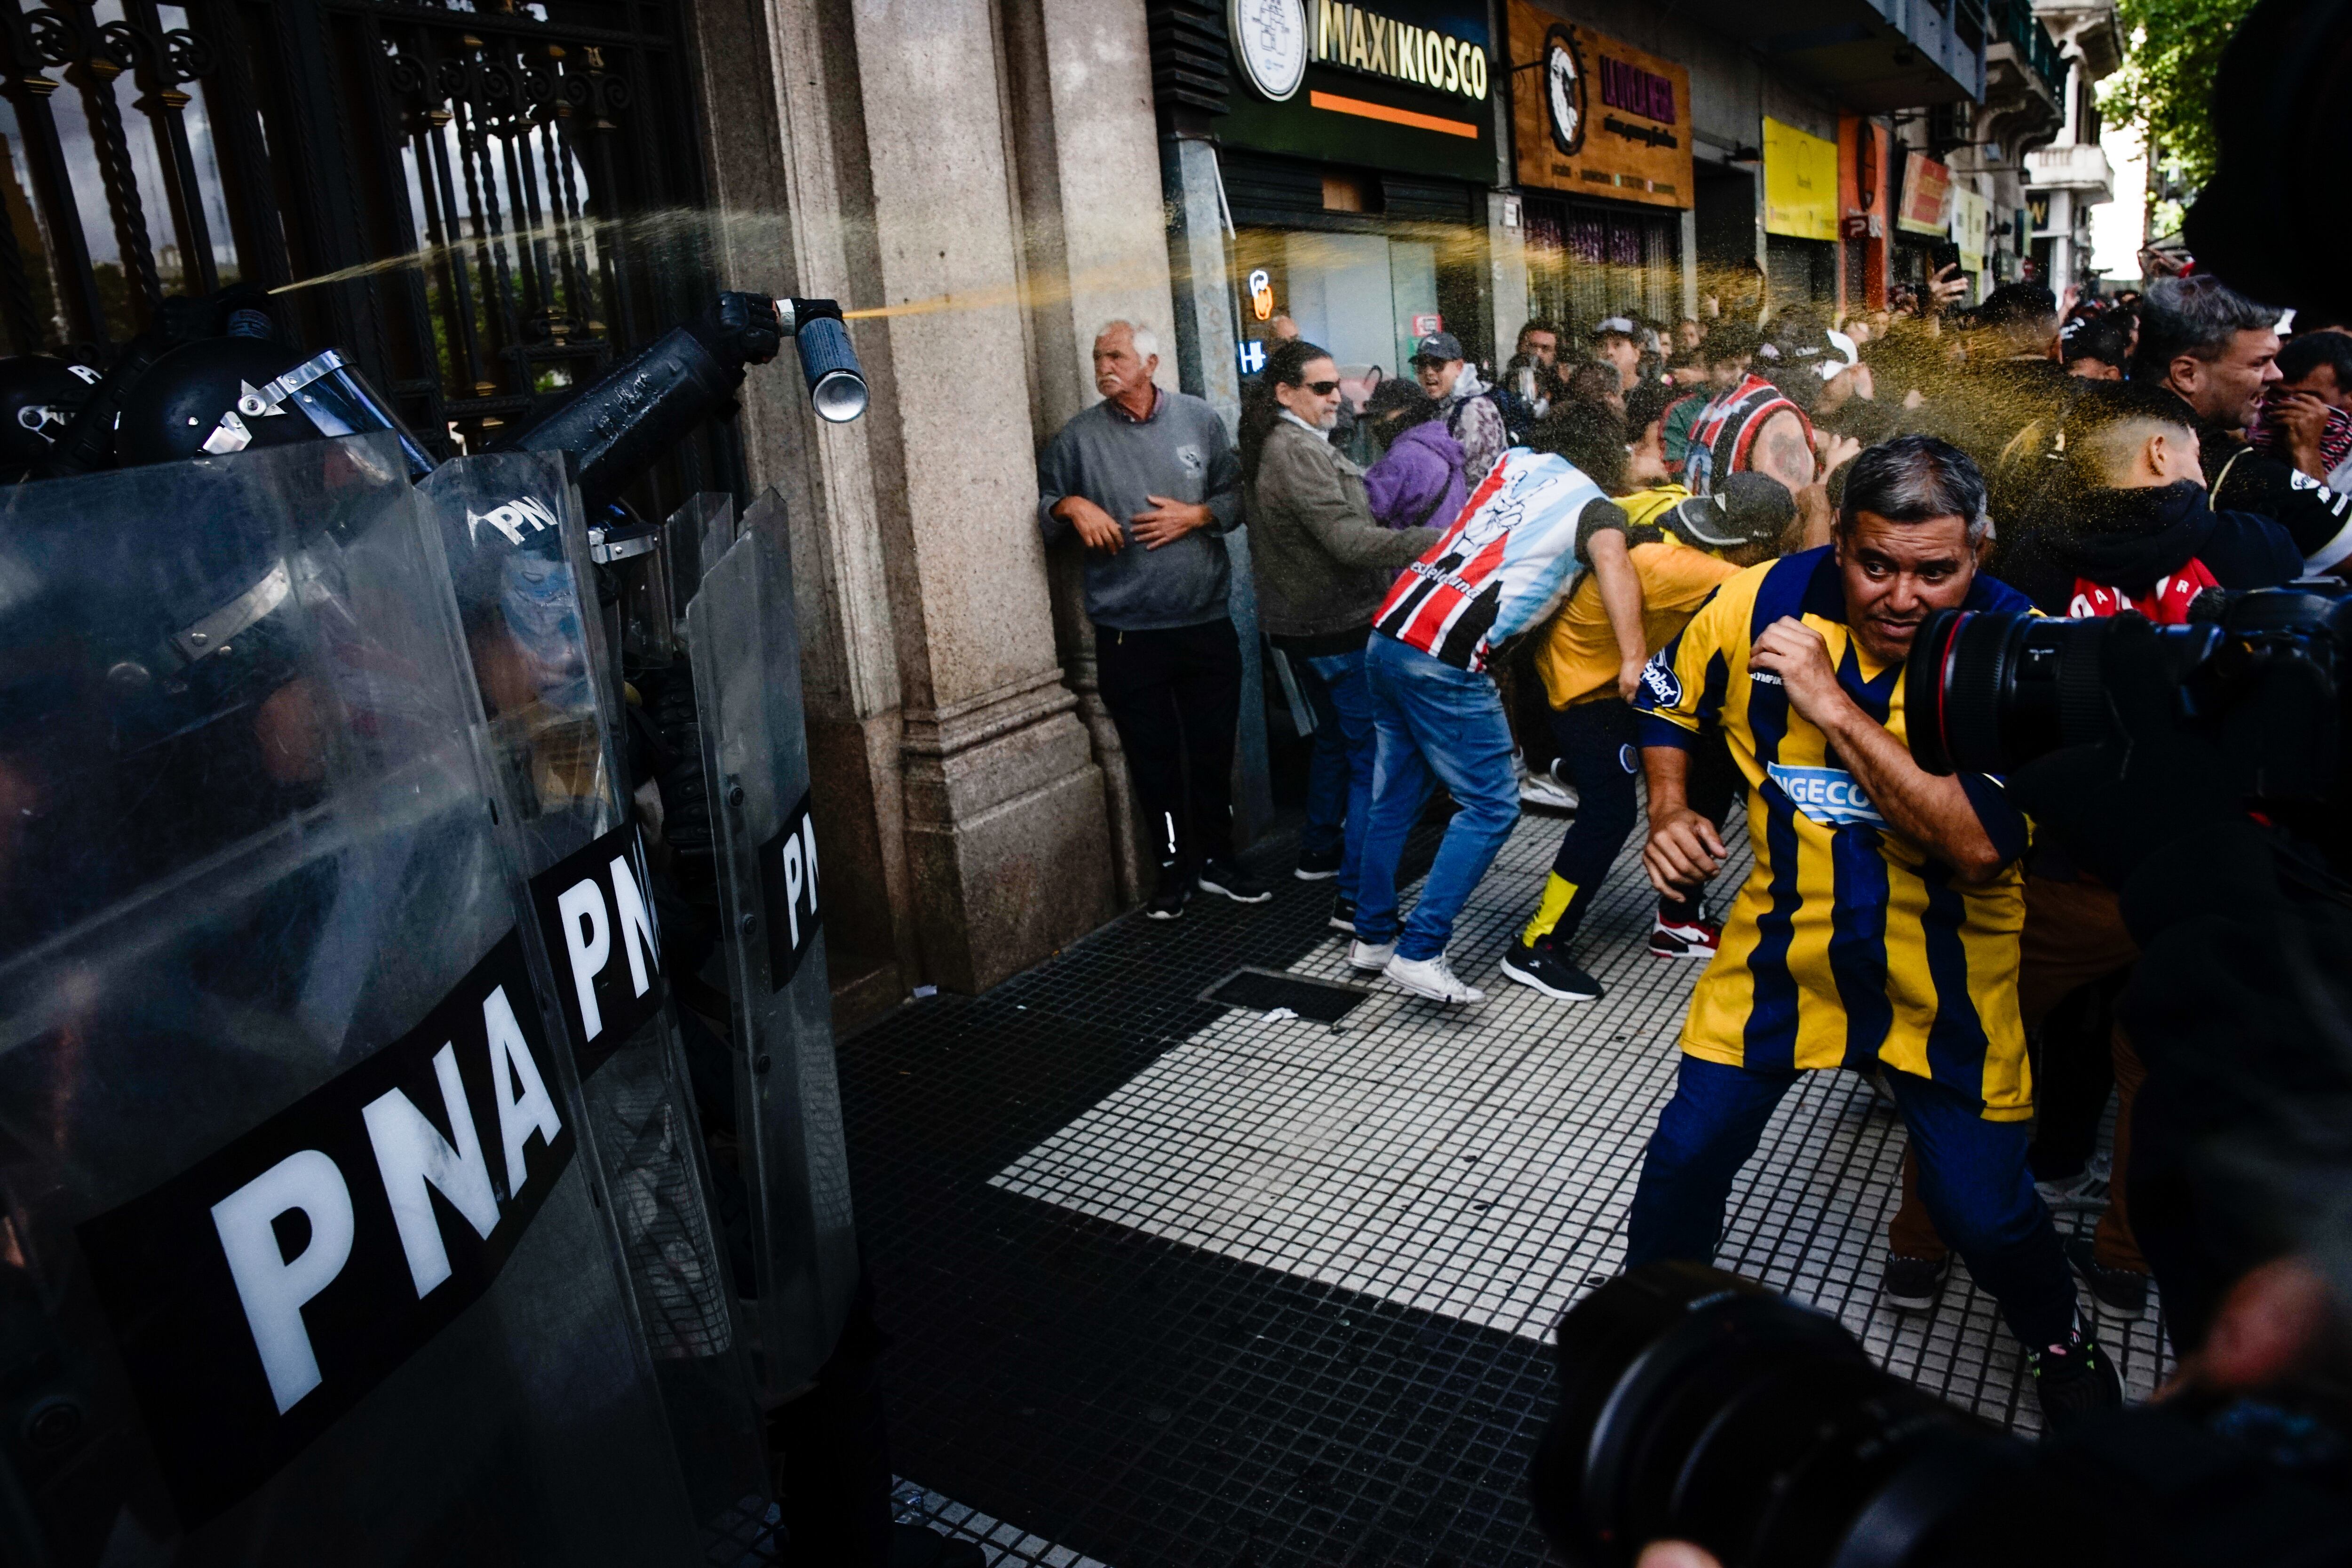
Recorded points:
1146,479
1323,564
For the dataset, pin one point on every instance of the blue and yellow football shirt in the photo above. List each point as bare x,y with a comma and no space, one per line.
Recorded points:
1847,942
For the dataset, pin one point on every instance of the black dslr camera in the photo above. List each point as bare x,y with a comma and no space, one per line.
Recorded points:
1697,1407
1988,693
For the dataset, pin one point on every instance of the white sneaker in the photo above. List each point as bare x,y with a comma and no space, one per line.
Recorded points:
1371,957
1547,793
1432,978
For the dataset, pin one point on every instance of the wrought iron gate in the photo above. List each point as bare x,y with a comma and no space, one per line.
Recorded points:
538,165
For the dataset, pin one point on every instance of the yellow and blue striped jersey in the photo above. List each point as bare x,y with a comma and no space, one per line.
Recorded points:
1846,944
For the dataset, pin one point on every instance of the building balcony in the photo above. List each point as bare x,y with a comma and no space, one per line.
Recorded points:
1870,56
2081,166
2090,27
2025,80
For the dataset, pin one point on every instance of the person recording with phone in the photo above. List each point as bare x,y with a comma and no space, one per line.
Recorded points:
1879,927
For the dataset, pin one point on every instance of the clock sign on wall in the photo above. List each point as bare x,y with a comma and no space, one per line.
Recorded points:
1270,41
1564,90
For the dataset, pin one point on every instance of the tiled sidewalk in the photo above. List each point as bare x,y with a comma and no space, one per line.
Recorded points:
1182,1285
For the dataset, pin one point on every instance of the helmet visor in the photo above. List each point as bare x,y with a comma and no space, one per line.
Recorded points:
339,401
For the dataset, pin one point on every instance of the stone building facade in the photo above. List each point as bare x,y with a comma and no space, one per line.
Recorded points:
994,167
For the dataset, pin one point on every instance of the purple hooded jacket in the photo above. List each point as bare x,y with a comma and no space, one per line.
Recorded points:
1419,480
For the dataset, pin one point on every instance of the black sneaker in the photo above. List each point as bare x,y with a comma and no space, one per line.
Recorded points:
1548,969
1313,867
2074,1382
2118,1292
1168,904
1912,1284
1229,878
1343,915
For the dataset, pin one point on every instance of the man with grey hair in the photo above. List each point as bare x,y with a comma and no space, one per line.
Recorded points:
1878,929
1146,479
2215,349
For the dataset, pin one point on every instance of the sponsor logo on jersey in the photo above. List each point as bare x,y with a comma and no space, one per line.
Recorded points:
1828,795
1665,686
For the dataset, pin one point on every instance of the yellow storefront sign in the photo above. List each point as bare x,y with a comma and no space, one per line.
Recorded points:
1800,183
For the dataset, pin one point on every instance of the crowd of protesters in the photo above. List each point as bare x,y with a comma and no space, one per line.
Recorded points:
1659,568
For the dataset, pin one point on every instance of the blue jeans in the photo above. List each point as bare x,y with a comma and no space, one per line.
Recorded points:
1972,1173
1339,775
1432,721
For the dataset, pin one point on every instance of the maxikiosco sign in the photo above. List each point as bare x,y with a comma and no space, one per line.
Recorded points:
1399,85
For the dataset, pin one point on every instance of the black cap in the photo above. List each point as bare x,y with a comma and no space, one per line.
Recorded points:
1438,348
1747,507
2106,339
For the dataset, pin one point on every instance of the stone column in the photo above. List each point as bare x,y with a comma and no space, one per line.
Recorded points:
1690,260
1506,252
779,191
1078,81
1201,292
897,175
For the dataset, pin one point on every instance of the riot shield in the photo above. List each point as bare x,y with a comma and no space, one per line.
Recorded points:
517,552
747,676
297,1261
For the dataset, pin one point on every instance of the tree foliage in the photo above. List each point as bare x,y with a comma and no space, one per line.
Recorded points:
2165,86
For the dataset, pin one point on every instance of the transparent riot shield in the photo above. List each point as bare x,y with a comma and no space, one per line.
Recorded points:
517,552
693,539
298,1263
747,676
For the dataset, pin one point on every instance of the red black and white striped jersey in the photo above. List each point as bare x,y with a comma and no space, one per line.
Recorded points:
1727,428
1502,567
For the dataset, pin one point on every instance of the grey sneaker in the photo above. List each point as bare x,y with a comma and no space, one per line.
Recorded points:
1547,794
1433,978
2086,1190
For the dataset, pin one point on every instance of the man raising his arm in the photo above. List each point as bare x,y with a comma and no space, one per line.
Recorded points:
1879,927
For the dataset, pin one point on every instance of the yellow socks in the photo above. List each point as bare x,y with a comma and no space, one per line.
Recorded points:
1558,894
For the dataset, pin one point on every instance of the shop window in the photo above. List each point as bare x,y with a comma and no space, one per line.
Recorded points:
1586,262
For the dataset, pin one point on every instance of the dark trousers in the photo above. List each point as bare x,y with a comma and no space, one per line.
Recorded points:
1972,1176
2074,938
1176,696
1600,755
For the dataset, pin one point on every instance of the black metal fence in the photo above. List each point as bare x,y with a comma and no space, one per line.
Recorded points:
502,197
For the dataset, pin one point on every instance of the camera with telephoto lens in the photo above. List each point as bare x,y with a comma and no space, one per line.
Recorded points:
1698,1406
1987,693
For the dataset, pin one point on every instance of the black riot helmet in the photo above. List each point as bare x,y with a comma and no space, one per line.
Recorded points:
39,397
220,395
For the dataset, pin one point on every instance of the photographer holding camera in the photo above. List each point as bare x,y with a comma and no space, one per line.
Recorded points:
1879,928
2199,768
2113,517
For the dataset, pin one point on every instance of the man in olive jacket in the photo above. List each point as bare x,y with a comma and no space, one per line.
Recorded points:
1322,566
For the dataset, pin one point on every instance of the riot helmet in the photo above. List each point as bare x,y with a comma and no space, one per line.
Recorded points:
221,396
39,397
